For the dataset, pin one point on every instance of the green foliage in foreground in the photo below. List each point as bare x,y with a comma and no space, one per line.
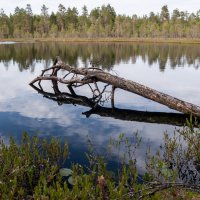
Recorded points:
33,170
26,167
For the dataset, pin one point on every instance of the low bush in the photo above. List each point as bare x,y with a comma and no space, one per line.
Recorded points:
34,169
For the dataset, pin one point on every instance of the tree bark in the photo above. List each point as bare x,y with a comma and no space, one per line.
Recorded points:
91,74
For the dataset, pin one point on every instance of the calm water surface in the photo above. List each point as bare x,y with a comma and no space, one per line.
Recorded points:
173,69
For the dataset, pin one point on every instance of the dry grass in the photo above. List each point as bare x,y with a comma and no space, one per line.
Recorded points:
111,39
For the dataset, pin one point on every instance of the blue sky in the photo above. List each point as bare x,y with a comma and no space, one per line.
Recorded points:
127,7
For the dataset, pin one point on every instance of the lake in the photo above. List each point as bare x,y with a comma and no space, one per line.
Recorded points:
169,68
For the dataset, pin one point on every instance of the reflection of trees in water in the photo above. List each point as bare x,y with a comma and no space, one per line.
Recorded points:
105,55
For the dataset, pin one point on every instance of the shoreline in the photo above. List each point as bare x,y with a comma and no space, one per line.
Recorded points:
132,40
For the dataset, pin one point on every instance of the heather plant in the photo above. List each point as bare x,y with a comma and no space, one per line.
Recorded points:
25,166
178,159
34,169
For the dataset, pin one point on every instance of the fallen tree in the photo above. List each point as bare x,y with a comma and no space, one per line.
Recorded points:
176,119
82,76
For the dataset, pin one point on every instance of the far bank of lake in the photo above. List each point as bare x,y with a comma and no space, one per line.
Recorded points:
107,39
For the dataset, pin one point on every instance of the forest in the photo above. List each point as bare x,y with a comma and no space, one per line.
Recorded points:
100,22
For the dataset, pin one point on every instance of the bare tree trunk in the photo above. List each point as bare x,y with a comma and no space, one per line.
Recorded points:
92,74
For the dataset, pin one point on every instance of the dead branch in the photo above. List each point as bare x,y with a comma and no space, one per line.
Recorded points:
61,80
93,76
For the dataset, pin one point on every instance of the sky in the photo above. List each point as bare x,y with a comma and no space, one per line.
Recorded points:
128,7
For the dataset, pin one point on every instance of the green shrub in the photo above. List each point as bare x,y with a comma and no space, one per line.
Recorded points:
25,166
32,170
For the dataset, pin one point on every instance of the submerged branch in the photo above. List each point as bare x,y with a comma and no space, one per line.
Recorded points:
94,75
176,119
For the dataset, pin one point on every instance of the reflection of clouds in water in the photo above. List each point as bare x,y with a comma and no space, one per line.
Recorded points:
151,134
26,110
145,130
181,82
176,82
100,133
38,109
15,84
66,121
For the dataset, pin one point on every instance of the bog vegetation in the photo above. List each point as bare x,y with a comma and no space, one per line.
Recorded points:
34,169
100,22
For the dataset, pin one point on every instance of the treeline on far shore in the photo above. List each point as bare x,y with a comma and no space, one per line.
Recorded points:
99,22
